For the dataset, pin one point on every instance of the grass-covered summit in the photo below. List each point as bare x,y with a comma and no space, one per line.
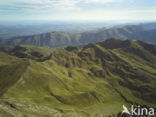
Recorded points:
90,81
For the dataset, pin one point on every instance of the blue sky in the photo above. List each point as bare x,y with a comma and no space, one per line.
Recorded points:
76,10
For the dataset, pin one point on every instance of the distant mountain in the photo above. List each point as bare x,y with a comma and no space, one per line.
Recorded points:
62,39
147,36
95,80
54,39
148,26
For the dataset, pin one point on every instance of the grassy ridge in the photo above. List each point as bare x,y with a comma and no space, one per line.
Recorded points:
94,80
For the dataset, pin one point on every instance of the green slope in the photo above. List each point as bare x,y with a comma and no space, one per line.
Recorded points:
91,81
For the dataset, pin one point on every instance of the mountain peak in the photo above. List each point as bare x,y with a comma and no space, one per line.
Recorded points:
115,43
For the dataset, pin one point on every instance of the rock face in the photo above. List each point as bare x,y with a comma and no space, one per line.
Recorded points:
91,81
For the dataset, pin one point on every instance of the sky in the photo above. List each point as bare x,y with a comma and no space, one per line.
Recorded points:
78,10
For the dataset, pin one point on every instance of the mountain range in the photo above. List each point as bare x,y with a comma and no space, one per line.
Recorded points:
14,29
144,32
92,81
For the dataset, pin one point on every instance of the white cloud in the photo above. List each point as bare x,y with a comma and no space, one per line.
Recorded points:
64,5
53,4
74,9
100,1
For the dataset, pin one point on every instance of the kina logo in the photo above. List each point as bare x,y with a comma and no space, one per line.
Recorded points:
138,111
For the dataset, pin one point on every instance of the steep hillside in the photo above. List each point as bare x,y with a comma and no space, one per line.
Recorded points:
91,81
